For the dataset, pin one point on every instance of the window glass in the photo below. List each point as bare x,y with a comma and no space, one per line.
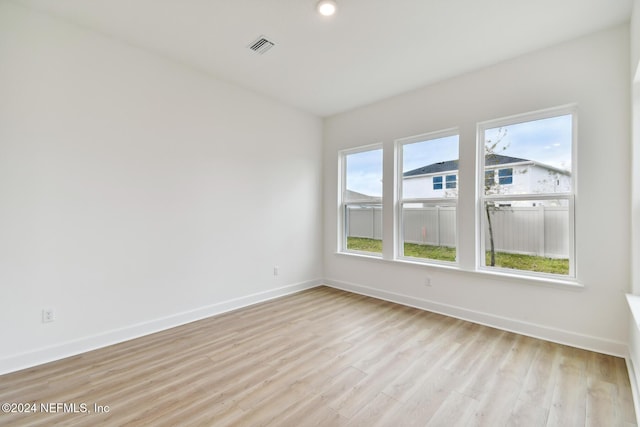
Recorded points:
362,201
527,215
437,183
505,176
428,202
528,235
489,178
537,153
451,181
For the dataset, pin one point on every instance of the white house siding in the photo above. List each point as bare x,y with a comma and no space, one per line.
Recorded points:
527,179
521,183
421,187
543,180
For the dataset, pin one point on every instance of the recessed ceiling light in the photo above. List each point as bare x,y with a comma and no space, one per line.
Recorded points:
327,7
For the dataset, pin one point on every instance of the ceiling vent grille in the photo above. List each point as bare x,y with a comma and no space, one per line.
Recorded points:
261,45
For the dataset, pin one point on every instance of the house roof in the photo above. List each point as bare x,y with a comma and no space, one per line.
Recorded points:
354,195
452,165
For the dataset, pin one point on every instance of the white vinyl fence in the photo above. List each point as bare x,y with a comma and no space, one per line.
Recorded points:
540,230
430,226
364,222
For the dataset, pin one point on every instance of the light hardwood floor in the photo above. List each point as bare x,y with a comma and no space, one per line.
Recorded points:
329,358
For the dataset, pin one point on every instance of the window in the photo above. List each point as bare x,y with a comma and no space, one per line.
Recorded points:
451,181
526,216
427,218
505,176
437,183
361,202
489,178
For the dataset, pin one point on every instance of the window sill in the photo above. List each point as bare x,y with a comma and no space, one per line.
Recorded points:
443,265
634,306
365,255
545,281
568,284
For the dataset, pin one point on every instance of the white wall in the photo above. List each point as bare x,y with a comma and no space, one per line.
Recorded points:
635,123
634,327
136,193
635,35
594,73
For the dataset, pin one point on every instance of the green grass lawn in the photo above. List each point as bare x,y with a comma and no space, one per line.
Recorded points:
443,253
364,244
531,263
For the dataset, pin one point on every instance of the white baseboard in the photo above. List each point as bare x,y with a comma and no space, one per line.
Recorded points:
600,345
633,379
82,345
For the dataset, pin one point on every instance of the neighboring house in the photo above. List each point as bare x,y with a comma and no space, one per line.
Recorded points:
503,175
354,196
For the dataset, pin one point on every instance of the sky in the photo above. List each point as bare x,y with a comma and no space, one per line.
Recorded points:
364,172
546,141
425,153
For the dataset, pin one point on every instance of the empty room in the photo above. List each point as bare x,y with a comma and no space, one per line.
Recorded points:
331,213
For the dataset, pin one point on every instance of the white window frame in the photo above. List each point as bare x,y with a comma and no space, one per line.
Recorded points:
398,211
343,204
482,198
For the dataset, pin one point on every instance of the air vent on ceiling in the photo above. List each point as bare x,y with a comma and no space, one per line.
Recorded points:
261,45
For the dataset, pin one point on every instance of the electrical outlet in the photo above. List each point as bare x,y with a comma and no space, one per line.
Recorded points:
427,281
276,270
48,315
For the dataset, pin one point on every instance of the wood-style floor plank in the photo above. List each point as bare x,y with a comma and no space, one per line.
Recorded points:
325,357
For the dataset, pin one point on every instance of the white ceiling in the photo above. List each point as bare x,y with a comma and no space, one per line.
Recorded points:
370,50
